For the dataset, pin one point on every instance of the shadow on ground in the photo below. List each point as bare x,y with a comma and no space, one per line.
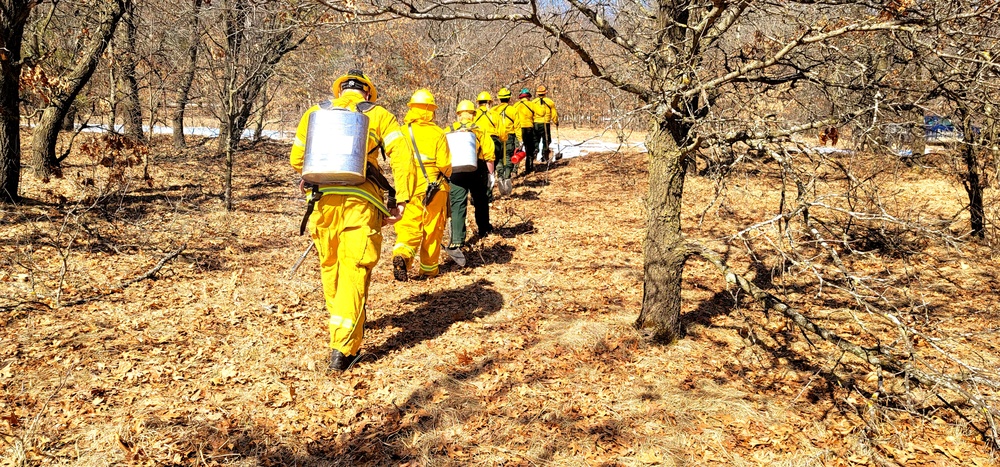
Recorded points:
434,314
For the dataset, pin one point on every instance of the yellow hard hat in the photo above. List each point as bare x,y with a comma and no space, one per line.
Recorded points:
484,96
541,90
423,96
354,79
503,93
465,106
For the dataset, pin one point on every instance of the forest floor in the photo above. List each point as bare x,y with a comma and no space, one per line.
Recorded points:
525,357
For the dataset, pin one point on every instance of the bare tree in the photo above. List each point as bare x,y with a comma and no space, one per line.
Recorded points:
966,77
43,157
188,71
252,41
127,60
13,17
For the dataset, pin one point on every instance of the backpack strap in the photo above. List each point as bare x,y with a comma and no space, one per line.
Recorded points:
420,159
488,119
416,152
527,107
504,112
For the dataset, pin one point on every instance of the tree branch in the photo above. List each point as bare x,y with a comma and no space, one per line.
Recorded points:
147,275
874,356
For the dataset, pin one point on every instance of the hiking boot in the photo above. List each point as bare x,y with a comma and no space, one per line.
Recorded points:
456,255
341,362
558,156
423,277
399,268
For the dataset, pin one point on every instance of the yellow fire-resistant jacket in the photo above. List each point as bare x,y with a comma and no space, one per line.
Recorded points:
383,130
484,144
506,120
526,111
548,112
432,147
485,120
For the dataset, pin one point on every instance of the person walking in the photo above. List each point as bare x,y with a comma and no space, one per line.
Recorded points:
345,221
472,183
422,225
486,121
526,110
507,127
543,121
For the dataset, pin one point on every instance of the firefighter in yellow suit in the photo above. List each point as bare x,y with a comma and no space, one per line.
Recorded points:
544,118
346,221
507,128
422,225
486,120
526,110
470,183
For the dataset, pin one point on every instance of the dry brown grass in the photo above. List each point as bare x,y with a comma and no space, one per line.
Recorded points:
526,357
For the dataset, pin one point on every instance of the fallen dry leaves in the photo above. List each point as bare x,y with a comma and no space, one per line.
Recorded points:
526,357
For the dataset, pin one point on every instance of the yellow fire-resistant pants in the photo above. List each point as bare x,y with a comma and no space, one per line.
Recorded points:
348,237
422,227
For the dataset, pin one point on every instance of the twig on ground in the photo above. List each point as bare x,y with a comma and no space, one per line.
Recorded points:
148,274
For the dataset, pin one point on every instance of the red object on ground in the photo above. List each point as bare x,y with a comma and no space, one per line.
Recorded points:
518,156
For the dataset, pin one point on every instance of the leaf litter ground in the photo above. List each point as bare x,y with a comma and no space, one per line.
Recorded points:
527,356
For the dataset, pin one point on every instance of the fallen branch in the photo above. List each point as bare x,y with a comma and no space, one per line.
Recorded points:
148,275
874,356
24,304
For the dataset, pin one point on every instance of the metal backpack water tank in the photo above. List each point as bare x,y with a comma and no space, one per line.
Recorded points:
336,147
462,145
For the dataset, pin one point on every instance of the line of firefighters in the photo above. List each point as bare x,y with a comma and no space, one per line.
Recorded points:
345,219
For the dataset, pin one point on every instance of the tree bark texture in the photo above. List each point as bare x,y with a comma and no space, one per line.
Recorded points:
970,144
664,248
127,62
42,157
974,187
230,157
69,123
12,20
184,87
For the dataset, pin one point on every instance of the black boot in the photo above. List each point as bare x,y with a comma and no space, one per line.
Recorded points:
341,362
399,268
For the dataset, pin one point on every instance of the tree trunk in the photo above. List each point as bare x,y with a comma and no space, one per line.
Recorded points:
11,33
972,180
131,109
663,250
43,140
230,156
43,143
258,129
69,123
974,187
184,88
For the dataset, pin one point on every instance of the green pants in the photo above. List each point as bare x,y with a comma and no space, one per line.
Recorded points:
543,135
505,168
463,185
